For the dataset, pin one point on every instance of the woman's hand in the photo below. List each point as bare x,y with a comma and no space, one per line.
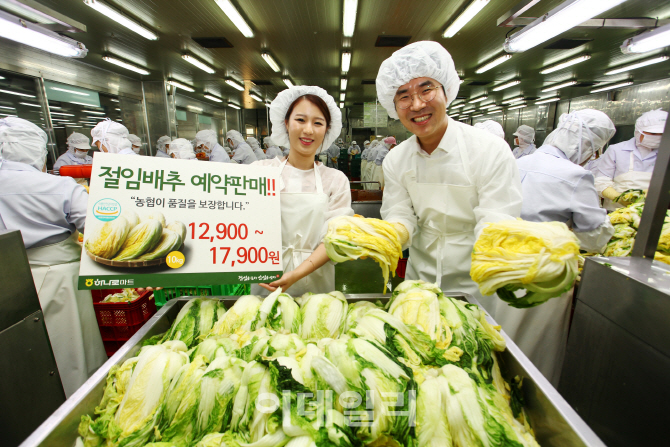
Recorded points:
286,281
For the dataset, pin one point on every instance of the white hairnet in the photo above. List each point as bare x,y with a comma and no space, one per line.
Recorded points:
181,148
580,134
423,59
652,121
162,141
78,141
353,142
268,141
23,142
235,137
366,142
113,135
253,142
283,101
492,127
525,133
206,137
135,140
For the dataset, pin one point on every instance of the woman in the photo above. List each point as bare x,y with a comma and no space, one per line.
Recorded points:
306,119
181,148
110,136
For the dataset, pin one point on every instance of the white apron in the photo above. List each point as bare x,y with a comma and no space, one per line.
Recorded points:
364,164
378,176
368,175
629,180
68,312
302,218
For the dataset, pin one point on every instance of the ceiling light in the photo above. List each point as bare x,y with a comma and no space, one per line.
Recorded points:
235,85
213,98
72,125
465,17
521,106
118,110
611,87
93,112
2,77
490,106
62,114
127,66
235,17
256,97
649,41
8,108
30,104
341,105
288,82
493,63
458,106
74,92
493,112
558,86
346,61
514,99
58,127
655,60
9,92
455,116
193,61
566,64
119,18
480,99
194,108
271,62
506,85
181,86
54,107
547,100
119,120
343,84
233,105
349,17
33,35
479,114
342,96
114,100
567,15
82,104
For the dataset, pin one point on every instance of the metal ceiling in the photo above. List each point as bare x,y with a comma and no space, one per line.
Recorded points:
305,38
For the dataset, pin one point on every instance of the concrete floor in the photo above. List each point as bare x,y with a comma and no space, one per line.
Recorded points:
361,276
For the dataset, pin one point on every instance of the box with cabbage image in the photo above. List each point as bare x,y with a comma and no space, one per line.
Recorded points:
173,222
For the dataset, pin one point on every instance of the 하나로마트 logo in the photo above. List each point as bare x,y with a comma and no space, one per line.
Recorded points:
107,209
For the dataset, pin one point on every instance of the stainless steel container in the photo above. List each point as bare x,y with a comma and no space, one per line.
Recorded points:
556,424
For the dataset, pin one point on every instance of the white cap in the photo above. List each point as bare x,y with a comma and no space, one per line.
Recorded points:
423,59
492,127
526,133
162,141
652,122
23,142
253,142
78,141
112,135
268,140
579,134
206,137
353,142
235,137
181,148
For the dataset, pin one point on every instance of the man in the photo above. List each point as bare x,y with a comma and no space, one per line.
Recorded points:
377,170
110,136
78,146
353,150
525,137
242,153
271,150
136,143
333,153
445,183
256,147
208,149
629,165
162,146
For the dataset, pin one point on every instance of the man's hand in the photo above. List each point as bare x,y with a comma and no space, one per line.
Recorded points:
286,281
403,234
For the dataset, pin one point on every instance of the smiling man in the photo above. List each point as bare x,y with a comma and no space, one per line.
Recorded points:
447,181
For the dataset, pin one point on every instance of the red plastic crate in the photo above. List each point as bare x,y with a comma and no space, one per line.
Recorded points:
112,346
122,314
118,333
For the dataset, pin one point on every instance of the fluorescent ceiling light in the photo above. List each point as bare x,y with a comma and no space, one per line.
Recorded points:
72,125
193,61
479,114
465,17
547,100
194,108
181,86
63,114
118,110
235,17
114,100
649,41
493,112
343,83
611,87
213,98
566,64
517,107
2,77
30,104
514,99
119,120
256,97
567,15
8,108
127,66
480,99
58,127
288,82
342,96
493,63
558,86
346,61
54,107
625,68
82,104
9,92
235,85
74,92
341,105
490,106
455,116
233,105
119,18
271,62
349,17
506,85
27,33
457,106
93,112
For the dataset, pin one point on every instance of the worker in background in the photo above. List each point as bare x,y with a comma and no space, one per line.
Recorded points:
242,152
307,119
182,149
387,144
556,188
629,164
449,180
271,150
364,160
110,136
136,143
353,150
333,154
491,127
256,147
208,149
340,143
162,146
524,141
369,167
48,210
78,146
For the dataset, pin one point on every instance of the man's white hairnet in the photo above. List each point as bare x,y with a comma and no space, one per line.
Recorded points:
283,101
525,133
135,140
181,148
235,137
423,59
652,121
111,134
23,142
78,141
206,137
492,127
162,141
580,134
253,142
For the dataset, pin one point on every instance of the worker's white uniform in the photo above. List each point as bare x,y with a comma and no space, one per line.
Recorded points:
243,154
369,167
364,162
445,199
273,152
354,150
219,154
48,210
309,199
377,169
520,152
161,154
333,152
68,158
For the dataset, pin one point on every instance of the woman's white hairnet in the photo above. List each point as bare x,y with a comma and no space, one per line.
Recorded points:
206,137
23,142
492,127
181,148
235,137
283,101
135,140
112,135
580,134
652,121
78,141
423,59
162,141
253,142
525,133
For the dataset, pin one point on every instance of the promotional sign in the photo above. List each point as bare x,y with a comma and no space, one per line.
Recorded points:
164,222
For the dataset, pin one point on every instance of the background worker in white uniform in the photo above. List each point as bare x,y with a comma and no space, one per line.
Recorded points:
242,152
256,147
110,136
493,127
353,150
524,141
136,143
207,148
48,210
364,160
447,181
307,119
182,149
271,149
333,154
161,146
556,188
369,166
377,170
629,164
78,146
